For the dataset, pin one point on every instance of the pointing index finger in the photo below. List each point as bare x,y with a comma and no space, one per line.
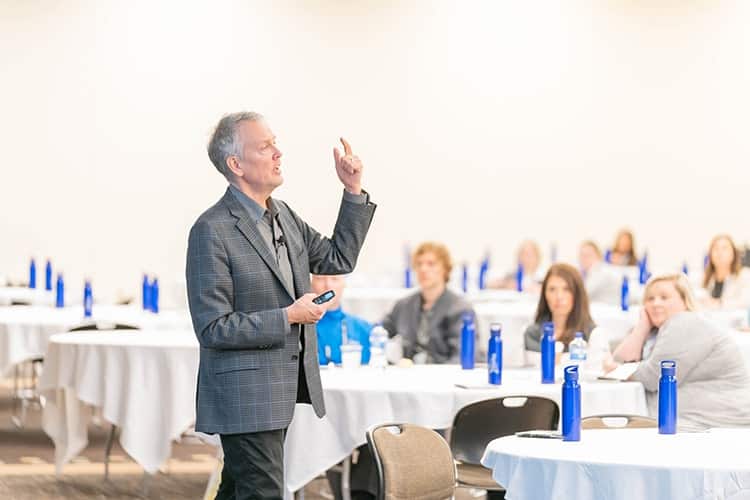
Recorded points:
347,147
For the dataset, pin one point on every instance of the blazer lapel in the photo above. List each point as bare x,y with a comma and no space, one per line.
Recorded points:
251,233
294,246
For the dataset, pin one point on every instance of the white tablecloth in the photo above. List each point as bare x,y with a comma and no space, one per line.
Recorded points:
25,330
143,380
624,464
424,395
32,296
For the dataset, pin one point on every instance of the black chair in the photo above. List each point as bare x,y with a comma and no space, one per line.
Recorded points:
475,425
102,325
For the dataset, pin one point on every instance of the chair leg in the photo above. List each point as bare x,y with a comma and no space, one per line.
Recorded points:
346,469
108,450
146,484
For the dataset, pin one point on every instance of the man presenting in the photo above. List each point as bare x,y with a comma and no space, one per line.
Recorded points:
248,280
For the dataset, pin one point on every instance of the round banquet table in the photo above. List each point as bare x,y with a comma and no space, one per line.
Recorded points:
425,395
619,464
143,381
25,330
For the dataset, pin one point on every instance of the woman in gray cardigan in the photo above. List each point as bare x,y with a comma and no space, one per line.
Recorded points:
712,378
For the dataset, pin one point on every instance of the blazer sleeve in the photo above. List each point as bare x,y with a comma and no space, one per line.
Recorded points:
210,292
453,324
389,322
338,254
532,338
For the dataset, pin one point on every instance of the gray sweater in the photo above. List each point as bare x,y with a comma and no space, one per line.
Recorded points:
713,385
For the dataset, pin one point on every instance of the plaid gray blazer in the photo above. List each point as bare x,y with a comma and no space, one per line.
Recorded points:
250,363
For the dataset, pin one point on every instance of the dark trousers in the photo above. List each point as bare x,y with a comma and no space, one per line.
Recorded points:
253,466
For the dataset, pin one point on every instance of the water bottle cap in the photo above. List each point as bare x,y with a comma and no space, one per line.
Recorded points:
579,335
571,373
668,368
548,328
496,328
467,316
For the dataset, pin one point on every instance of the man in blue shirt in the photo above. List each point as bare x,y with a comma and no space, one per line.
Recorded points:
336,324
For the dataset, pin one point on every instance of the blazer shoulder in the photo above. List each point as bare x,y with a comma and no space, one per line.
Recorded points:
216,213
410,301
456,302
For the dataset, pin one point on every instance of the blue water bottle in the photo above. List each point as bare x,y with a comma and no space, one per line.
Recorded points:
48,276
60,291
685,268
571,405
548,352
465,278
624,292
407,267
155,296
495,355
668,398
519,278
146,293
88,300
32,274
483,268
467,341
643,269
608,256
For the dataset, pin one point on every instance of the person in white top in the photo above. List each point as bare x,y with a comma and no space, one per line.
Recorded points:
725,280
529,257
602,283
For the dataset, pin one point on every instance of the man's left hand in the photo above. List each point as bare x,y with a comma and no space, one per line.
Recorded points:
348,168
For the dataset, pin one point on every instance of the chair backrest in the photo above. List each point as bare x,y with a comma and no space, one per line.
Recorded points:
618,422
413,462
475,425
100,325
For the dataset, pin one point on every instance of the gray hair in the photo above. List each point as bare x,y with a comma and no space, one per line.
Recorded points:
224,141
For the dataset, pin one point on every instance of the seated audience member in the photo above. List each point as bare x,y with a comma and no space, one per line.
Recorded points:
712,378
335,321
725,280
564,302
602,283
529,257
430,320
623,251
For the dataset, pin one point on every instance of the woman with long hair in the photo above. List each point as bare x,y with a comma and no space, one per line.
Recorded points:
623,251
725,280
564,302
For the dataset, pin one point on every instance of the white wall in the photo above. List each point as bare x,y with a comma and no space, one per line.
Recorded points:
480,123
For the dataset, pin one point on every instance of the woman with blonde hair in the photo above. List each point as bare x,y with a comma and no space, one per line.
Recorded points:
528,259
712,378
725,280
